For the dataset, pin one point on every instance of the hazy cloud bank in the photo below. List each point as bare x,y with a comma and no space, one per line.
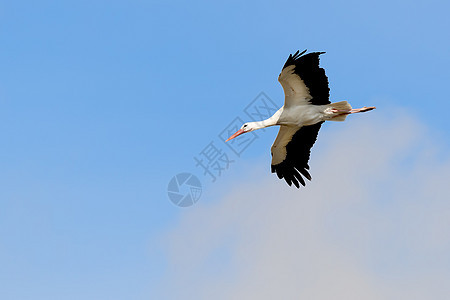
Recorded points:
373,224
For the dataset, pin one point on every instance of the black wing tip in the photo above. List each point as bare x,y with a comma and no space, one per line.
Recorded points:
305,173
298,54
291,174
294,168
293,58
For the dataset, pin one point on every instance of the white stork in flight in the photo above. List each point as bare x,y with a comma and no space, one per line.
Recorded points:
306,107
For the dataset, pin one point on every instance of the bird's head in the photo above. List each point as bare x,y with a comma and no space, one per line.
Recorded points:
247,127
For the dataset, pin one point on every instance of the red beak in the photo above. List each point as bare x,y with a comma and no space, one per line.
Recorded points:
239,132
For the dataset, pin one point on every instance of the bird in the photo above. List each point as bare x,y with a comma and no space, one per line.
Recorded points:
306,107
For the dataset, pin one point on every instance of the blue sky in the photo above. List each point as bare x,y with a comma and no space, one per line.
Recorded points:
102,102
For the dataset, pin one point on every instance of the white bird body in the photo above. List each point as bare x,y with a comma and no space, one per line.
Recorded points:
302,115
306,107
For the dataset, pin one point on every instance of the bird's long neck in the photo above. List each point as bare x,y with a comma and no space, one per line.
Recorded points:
268,122
262,124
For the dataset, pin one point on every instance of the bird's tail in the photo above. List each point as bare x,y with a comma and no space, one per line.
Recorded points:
341,106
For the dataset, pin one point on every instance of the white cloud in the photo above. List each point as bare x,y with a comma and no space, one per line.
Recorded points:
373,224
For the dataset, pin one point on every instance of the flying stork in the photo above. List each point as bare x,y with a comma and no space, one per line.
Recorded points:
306,107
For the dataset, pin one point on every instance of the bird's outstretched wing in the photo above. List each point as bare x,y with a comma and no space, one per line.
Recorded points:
291,150
303,81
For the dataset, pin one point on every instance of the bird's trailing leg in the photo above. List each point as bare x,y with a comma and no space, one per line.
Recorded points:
353,110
